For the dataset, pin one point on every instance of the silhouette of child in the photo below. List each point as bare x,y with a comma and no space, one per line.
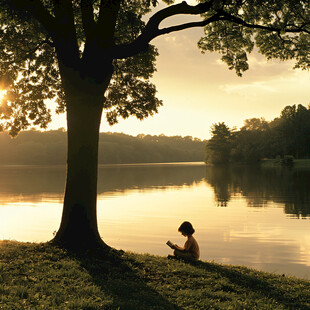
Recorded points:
190,251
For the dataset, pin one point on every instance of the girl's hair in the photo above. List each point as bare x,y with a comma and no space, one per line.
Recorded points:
187,228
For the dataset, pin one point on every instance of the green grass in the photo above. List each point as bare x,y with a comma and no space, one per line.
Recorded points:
39,276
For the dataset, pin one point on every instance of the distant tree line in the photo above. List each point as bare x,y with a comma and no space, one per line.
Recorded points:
49,148
287,136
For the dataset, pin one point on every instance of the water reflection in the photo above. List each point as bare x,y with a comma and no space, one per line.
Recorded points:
143,177
260,186
29,183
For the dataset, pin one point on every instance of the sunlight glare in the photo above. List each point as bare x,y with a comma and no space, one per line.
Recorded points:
2,94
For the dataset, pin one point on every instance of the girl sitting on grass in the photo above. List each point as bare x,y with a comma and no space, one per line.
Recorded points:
190,251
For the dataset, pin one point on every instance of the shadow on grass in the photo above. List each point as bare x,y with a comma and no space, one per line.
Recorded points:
113,274
270,287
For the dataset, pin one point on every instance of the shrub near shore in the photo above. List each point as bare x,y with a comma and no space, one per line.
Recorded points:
39,276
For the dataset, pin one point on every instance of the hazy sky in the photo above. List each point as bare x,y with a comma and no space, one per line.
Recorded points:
198,90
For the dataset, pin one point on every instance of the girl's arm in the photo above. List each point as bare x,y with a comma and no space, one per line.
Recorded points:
186,247
178,248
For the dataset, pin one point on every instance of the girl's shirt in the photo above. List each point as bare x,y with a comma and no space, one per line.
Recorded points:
191,246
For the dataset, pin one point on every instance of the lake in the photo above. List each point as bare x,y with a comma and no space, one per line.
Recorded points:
258,217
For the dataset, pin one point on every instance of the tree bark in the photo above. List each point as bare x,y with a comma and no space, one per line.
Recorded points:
78,228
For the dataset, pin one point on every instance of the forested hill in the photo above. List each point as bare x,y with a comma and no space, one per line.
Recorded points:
49,148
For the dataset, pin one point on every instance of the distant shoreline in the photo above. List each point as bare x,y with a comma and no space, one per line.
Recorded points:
265,163
184,163
50,148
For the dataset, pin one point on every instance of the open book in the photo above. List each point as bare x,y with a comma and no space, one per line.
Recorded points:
169,243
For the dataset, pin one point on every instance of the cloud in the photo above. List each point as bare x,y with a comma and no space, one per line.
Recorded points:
253,88
292,81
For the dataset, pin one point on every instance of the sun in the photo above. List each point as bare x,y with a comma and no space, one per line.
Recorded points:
2,94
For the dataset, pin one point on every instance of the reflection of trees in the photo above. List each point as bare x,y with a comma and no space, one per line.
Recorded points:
31,180
258,186
219,178
34,181
261,185
154,176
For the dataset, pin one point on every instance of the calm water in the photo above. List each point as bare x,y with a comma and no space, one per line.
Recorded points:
254,217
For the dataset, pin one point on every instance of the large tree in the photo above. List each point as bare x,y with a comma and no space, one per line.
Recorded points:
90,55
218,148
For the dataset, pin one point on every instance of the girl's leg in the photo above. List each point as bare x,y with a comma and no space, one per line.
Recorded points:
183,255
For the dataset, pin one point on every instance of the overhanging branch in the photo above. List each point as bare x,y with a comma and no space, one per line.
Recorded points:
152,30
289,28
202,23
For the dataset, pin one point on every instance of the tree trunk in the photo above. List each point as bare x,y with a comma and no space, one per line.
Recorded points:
78,228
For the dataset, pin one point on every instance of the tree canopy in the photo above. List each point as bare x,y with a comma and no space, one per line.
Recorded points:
38,37
219,146
30,69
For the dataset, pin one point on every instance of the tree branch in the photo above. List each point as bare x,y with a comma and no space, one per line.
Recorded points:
152,30
107,20
202,23
64,18
32,51
88,20
100,34
65,40
240,21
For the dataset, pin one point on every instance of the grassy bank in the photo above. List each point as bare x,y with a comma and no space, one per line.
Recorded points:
298,163
37,276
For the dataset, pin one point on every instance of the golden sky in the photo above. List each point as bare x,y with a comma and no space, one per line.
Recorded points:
198,90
